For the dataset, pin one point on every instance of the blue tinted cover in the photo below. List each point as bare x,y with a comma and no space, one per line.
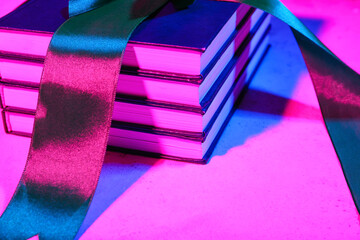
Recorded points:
194,27
37,15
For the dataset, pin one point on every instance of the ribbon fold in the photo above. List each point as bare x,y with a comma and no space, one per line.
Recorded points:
75,107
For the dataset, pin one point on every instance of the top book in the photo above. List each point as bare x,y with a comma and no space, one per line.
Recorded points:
179,42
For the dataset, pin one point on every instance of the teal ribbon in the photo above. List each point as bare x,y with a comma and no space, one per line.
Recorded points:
53,202
72,120
337,88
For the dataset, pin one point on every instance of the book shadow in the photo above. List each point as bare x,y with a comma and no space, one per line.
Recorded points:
119,172
269,93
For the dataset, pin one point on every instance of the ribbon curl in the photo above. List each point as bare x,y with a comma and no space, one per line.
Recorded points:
75,105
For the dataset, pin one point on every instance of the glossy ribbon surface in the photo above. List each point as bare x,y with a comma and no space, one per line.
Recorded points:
337,88
72,120
76,100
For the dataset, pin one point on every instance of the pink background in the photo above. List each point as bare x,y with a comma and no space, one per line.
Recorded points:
273,175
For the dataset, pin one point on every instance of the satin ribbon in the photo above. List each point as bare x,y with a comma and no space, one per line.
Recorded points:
76,100
72,120
337,88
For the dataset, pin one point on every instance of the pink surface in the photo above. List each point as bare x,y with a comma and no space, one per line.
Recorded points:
9,5
274,173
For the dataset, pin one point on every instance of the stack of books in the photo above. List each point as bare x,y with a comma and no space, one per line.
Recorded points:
181,75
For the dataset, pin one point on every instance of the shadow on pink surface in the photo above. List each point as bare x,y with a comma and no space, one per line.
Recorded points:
128,170
270,93
119,173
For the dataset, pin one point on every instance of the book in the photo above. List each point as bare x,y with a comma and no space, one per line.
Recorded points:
159,113
182,89
216,66
160,142
182,42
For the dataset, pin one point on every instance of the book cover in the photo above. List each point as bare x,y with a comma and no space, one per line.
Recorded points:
37,15
190,28
169,38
